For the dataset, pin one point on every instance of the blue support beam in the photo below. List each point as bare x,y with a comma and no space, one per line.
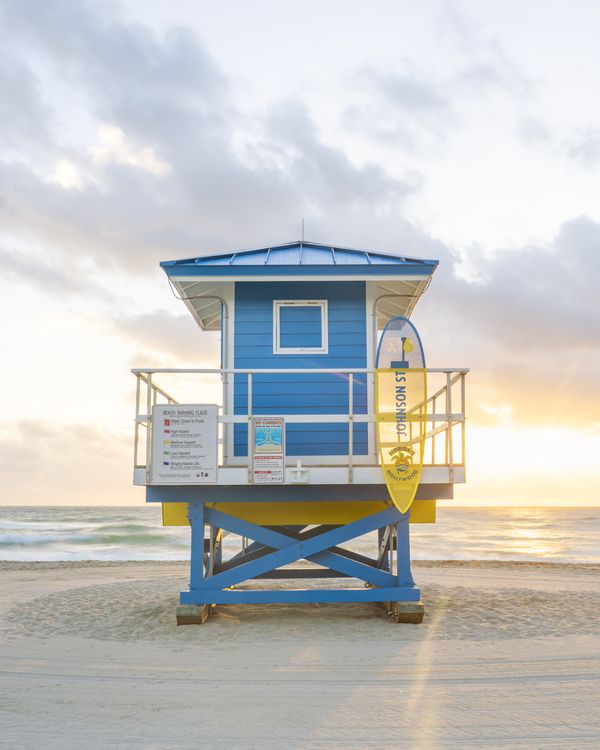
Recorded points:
196,519
286,596
403,552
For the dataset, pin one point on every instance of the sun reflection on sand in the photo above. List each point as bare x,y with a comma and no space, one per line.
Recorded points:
417,709
421,710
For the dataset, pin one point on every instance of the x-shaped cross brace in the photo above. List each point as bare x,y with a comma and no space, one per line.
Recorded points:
289,548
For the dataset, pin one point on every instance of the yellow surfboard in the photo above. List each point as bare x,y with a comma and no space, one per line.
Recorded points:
401,409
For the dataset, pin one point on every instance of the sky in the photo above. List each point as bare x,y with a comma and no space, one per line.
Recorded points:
137,132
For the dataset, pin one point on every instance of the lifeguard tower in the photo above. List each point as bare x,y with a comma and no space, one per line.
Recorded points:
278,444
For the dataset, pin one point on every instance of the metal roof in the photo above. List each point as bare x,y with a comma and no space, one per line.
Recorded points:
299,259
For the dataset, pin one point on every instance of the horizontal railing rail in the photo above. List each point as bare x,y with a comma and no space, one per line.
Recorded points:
443,423
278,370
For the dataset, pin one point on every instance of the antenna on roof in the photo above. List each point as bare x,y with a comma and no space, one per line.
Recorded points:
302,240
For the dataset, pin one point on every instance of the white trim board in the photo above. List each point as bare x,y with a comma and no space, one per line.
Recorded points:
318,475
278,304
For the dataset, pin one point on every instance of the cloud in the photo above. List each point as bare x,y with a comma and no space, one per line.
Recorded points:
114,147
66,175
50,276
534,131
417,106
547,294
172,335
528,327
25,112
401,108
162,176
483,65
15,266
324,174
74,464
585,147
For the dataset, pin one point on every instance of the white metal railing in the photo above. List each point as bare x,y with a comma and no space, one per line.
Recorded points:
442,447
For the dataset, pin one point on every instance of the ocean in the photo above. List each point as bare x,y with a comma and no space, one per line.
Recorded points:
564,535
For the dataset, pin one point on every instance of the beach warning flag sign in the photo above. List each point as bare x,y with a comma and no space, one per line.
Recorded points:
401,409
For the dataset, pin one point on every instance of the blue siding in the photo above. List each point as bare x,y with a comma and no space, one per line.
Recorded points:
302,393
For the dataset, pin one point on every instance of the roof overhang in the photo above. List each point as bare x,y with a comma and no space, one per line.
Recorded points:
392,297
202,282
204,299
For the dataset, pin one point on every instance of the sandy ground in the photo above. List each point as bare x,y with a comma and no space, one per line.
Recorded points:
90,657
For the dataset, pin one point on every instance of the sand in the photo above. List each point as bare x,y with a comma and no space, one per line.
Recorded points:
90,657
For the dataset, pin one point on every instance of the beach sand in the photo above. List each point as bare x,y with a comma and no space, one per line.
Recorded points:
90,657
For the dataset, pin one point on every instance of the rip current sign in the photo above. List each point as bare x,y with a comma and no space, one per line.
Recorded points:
401,409
268,450
184,444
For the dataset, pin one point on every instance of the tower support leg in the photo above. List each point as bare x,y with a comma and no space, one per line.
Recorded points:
408,612
195,614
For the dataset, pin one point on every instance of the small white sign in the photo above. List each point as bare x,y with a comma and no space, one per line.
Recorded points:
268,455
184,444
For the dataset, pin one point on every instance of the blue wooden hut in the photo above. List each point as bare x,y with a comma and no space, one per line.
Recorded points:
299,328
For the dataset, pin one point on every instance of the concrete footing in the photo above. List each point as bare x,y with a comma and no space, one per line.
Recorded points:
410,612
192,614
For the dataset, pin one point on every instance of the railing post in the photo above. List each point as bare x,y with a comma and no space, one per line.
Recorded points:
148,427
225,425
373,425
446,430
250,435
463,411
350,426
449,408
136,433
433,437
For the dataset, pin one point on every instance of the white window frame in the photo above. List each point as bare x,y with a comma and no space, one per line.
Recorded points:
278,304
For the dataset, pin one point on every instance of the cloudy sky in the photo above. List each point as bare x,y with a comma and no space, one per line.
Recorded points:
141,131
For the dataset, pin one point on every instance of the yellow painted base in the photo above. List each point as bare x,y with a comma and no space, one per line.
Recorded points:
288,514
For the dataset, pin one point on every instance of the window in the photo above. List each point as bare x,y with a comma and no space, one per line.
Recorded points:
300,326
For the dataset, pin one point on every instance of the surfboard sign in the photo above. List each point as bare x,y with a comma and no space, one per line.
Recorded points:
401,409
